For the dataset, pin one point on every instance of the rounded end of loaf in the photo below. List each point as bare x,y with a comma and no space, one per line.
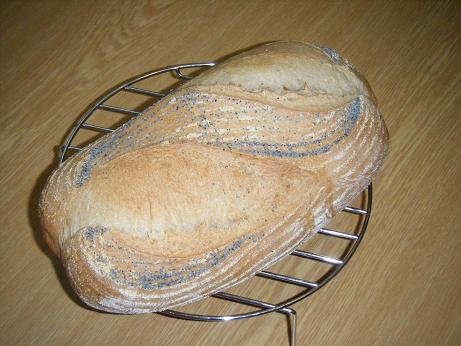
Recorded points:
292,74
49,208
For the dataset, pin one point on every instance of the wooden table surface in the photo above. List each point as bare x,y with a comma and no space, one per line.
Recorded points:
403,286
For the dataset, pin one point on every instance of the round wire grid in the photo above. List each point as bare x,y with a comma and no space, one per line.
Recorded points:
335,265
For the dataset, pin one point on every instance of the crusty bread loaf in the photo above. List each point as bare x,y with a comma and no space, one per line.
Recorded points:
218,180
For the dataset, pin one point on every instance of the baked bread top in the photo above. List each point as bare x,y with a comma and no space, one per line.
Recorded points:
217,180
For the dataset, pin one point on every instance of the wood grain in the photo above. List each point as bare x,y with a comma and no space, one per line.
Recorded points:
404,284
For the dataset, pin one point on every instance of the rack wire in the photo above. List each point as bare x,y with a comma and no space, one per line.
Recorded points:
335,265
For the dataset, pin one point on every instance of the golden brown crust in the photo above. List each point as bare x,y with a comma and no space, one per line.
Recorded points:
216,181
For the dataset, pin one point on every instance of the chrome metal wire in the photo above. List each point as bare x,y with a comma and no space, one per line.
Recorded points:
262,307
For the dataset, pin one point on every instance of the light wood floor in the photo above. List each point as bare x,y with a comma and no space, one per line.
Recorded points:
403,287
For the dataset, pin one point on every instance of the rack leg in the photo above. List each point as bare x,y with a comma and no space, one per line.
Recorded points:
291,314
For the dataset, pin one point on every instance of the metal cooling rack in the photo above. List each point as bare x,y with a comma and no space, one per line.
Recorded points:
335,265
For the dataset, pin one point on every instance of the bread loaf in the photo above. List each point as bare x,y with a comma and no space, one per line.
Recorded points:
218,180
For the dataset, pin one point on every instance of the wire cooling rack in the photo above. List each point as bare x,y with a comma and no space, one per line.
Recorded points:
334,264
